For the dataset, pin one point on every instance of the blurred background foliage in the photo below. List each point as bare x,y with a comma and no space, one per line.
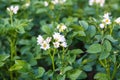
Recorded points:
81,20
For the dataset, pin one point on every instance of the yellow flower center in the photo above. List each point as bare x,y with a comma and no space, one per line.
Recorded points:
107,20
44,45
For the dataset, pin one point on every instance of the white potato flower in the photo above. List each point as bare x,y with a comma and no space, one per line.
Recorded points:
102,2
98,2
45,45
40,40
61,27
58,1
55,1
48,39
62,39
106,15
117,20
14,9
102,25
27,4
46,3
56,44
58,38
63,44
62,1
91,2
106,21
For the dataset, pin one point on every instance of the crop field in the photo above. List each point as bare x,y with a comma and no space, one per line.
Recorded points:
59,39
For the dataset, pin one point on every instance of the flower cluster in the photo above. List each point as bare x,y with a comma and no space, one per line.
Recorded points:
54,2
58,1
57,39
46,3
44,43
61,27
27,4
106,20
13,9
98,2
118,20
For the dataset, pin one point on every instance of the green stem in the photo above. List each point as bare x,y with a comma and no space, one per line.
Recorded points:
11,19
108,72
12,55
63,53
111,31
53,65
12,48
102,63
118,66
52,58
97,10
111,28
12,42
11,76
107,69
114,71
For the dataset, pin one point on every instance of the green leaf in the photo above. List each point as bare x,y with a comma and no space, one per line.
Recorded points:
41,71
91,31
76,27
79,33
104,55
76,51
3,57
41,10
71,58
87,67
21,30
20,65
94,48
24,42
106,50
1,64
61,77
74,74
107,46
113,58
82,76
49,73
65,69
84,24
15,67
47,29
101,76
109,37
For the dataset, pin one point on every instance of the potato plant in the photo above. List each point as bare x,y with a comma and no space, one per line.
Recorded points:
59,40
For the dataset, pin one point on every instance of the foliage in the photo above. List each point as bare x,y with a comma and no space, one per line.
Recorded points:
59,39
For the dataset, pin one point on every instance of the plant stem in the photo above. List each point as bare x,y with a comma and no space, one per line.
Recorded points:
97,10
12,48
52,58
108,72
11,19
102,63
12,42
114,71
11,76
53,65
107,69
63,53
